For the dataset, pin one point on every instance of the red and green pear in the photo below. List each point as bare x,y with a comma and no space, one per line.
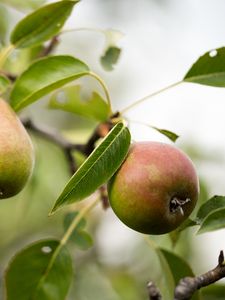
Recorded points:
16,153
155,189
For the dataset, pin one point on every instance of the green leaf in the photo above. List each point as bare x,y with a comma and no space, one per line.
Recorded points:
112,52
21,4
45,76
110,58
171,135
210,206
213,292
209,69
79,237
3,24
4,84
213,221
70,99
42,24
179,268
98,167
34,273
165,282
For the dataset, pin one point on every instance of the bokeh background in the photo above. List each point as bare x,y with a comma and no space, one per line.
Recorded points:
161,40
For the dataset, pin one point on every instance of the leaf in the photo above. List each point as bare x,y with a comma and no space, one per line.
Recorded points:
171,135
98,167
179,268
110,58
79,237
44,76
4,84
21,4
209,69
210,206
112,52
165,282
213,292
42,24
3,24
213,221
69,99
34,273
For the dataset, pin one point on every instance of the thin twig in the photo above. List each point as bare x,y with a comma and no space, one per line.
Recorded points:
50,47
189,285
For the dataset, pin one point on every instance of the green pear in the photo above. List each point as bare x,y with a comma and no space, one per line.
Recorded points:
155,189
16,153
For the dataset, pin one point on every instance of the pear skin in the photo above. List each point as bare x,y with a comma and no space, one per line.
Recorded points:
155,189
16,153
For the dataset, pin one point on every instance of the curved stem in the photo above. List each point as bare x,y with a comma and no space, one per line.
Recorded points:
83,212
97,30
149,96
77,220
5,53
102,83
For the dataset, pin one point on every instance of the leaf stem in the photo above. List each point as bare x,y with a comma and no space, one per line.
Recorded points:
83,212
5,53
102,83
149,96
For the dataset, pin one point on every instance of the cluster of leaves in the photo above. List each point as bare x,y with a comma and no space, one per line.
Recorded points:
46,265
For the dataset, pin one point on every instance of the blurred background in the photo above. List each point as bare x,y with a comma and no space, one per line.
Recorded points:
161,40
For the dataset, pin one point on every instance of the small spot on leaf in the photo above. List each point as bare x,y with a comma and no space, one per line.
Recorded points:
213,53
46,249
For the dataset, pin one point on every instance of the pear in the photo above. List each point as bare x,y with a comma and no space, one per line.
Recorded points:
16,153
155,189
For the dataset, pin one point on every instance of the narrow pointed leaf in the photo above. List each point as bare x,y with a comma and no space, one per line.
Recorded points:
169,134
45,76
210,206
213,221
42,24
70,99
98,167
37,272
209,69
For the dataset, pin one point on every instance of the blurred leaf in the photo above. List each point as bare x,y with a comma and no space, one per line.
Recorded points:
171,135
213,221
98,167
179,268
42,24
210,206
4,84
3,24
209,69
79,237
186,224
165,283
21,4
70,99
213,292
37,272
110,58
44,76
112,52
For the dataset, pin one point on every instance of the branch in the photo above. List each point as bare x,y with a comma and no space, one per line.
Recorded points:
153,292
65,145
50,47
188,285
